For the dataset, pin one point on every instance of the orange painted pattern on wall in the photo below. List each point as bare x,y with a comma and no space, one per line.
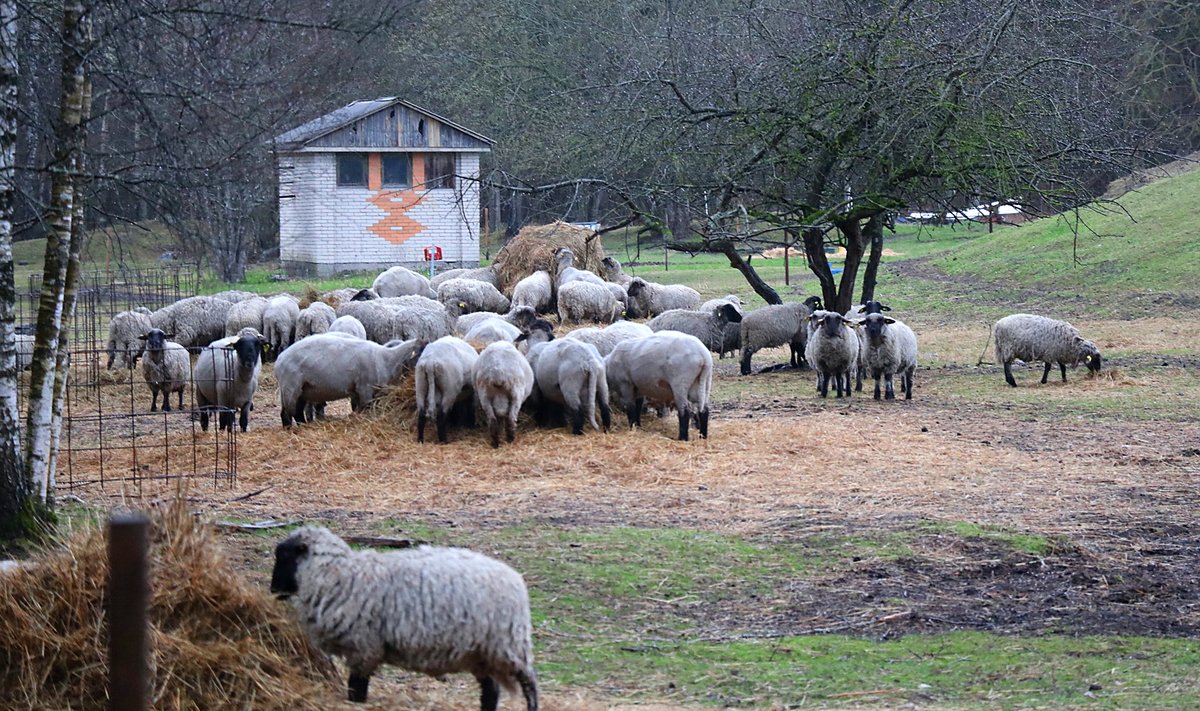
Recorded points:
397,226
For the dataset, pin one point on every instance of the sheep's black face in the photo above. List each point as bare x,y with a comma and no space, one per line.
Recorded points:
1093,361
874,307
813,303
364,295
288,555
730,312
155,340
249,350
832,324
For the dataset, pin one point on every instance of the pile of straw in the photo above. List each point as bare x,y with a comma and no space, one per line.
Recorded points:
217,641
531,249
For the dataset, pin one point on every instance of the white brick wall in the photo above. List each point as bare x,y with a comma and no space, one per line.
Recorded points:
329,225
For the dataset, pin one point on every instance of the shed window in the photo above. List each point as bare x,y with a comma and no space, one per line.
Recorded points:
352,169
439,170
397,170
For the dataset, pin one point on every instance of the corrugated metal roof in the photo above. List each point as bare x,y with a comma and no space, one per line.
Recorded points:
354,111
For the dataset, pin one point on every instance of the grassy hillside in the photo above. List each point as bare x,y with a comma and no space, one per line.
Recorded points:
106,249
1154,254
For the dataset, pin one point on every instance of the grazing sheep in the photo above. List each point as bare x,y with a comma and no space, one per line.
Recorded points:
333,366
887,347
426,609
399,281
1031,338
535,291
234,296
194,322
667,369
832,351
564,262
503,380
245,314
314,318
337,297
349,326
570,373
167,368
580,301
469,296
709,326
613,272
777,325
606,339
443,381
727,299
519,316
487,274
226,377
124,331
400,318
491,330
279,322
648,299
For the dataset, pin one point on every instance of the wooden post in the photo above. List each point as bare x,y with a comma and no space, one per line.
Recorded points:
128,596
787,277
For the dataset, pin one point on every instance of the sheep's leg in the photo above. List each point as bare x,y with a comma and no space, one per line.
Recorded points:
823,384
528,682
153,399
891,393
634,412
204,420
795,362
575,419
244,420
703,424
746,355
605,415
1008,376
510,427
837,382
684,416
907,380
421,425
441,426
1063,367
494,430
1046,372
489,693
876,374
358,687
181,398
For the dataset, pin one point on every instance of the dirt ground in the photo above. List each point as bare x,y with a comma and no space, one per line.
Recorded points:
1115,497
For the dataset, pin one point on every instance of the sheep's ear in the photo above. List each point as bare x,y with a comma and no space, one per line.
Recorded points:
462,305
889,320
885,308
1088,359
142,337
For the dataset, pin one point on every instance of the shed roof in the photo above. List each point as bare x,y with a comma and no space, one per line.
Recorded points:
298,137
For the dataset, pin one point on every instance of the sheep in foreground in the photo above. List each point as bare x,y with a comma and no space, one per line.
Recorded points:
535,291
503,380
580,301
124,331
832,351
777,325
464,296
443,381
648,299
667,369
887,347
519,316
333,366
606,339
349,326
399,281
245,314
314,318
194,322
166,367
425,609
1031,338
612,271
279,322
709,326
226,378
485,274
570,374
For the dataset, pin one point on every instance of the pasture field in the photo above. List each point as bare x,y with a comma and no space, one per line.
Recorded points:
977,547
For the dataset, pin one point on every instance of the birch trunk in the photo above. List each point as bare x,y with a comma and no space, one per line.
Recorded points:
68,137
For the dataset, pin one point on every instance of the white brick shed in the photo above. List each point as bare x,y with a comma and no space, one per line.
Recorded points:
374,183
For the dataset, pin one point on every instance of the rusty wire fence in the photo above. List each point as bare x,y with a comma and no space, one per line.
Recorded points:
112,442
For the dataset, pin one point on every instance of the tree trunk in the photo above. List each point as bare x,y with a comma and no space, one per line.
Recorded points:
14,487
755,281
852,231
873,233
818,263
68,136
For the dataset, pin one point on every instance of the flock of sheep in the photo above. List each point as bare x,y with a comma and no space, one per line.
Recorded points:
473,349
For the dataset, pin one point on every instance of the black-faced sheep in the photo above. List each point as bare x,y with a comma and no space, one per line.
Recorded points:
777,325
570,374
400,281
580,301
648,299
1031,338
503,381
124,333
194,322
832,351
667,369
166,367
709,326
888,347
226,378
443,381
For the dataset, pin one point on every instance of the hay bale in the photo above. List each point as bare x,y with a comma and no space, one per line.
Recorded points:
217,641
532,248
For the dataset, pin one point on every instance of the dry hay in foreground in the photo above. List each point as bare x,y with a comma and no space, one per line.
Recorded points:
216,640
532,248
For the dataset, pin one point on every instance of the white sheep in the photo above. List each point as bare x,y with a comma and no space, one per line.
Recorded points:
606,339
334,366
487,274
566,271
226,378
166,367
349,326
519,316
247,313
491,330
570,374
586,301
667,369
399,281
709,326
234,296
503,381
400,318
193,322
279,322
612,271
832,351
535,291
443,380
777,325
887,347
648,299
464,296
426,609
314,318
1031,338
124,332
